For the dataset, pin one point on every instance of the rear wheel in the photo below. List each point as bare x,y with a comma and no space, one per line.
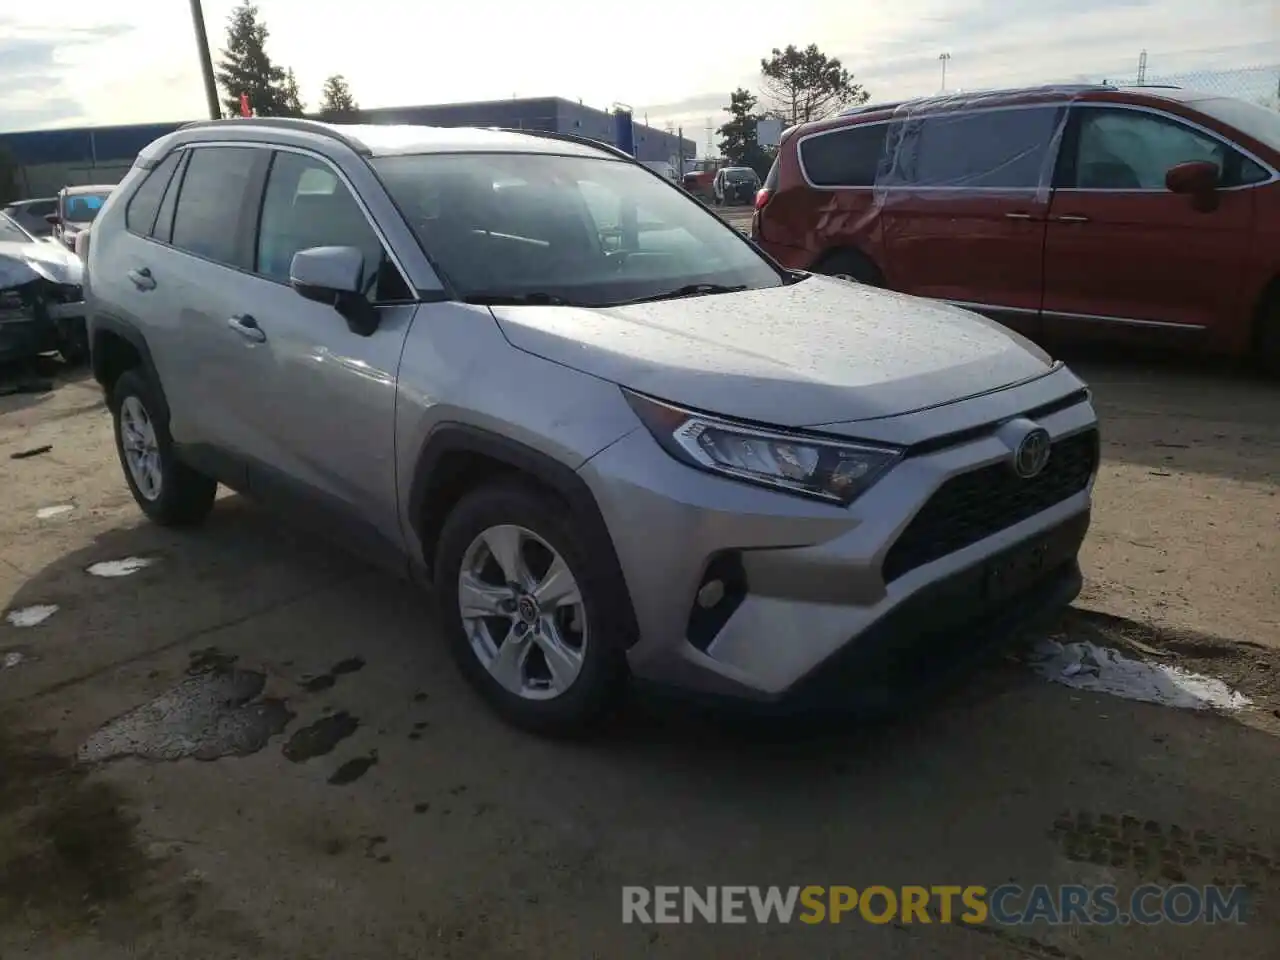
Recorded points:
852,266
167,490
533,625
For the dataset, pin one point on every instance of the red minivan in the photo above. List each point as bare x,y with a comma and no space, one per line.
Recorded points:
1075,211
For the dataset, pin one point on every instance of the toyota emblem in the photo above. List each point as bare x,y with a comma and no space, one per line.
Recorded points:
1032,454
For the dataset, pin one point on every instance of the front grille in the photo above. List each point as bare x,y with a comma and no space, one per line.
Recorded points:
974,505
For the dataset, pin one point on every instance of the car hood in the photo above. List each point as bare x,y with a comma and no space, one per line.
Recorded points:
20,263
820,351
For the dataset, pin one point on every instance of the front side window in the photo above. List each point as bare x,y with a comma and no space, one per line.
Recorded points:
208,220
577,229
1133,150
307,205
1010,148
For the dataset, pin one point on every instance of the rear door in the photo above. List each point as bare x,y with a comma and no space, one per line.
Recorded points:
964,205
200,256
1122,251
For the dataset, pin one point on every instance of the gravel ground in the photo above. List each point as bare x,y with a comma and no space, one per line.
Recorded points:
246,744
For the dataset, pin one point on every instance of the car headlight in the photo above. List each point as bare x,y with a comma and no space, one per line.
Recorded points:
824,468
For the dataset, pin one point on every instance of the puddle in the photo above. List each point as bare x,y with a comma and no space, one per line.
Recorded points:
353,769
46,513
326,680
211,715
120,568
1087,666
31,616
321,737
11,660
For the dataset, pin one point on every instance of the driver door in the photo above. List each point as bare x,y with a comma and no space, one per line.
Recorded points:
1121,250
324,397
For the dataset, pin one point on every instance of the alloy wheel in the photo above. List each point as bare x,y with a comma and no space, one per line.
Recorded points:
523,612
141,450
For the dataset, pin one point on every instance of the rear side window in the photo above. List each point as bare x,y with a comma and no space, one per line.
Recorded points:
140,215
848,157
1011,148
215,194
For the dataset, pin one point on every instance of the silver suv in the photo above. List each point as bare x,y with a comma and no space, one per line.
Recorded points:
616,438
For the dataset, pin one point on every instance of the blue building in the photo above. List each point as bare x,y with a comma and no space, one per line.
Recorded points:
51,159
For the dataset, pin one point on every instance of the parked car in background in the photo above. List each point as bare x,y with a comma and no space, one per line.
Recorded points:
1090,211
33,215
41,297
661,456
735,185
77,207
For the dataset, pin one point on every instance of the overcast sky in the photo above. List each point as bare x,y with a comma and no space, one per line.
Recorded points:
129,61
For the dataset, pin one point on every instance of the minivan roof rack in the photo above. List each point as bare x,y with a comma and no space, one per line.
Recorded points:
1006,91
286,123
571,138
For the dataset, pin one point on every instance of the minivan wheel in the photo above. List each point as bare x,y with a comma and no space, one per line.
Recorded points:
527,614
852,266
1267,338
168,491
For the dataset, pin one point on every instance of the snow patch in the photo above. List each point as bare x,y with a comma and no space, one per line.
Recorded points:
46,513
120,568
32,616
1086,666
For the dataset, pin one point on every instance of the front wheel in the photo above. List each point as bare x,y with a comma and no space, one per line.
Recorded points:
852,266
529,617
166,489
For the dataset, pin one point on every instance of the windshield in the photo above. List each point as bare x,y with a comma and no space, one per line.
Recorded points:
1250,119
82,207
10,232
577,230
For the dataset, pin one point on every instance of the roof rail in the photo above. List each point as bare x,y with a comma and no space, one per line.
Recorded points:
571,138
286,123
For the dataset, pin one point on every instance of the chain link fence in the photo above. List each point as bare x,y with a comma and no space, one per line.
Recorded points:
1257,84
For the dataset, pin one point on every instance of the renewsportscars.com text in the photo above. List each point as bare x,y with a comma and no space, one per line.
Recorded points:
1006,905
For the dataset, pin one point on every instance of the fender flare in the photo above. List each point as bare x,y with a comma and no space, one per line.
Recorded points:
134,337
452,437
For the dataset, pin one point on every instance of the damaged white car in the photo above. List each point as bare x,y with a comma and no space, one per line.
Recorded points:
41,297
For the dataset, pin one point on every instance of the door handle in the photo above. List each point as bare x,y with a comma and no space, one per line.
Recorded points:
1018,216
247,327
1071,218
142,278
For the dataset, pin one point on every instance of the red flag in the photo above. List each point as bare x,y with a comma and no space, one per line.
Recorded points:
244,106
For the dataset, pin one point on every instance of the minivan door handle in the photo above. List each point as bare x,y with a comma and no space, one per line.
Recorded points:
1071,218
247,327
1018,216
142,278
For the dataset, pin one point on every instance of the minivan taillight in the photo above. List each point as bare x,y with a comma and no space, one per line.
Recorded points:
762,197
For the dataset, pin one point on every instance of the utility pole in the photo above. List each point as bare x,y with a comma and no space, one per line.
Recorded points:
944,57
206,61
1142,68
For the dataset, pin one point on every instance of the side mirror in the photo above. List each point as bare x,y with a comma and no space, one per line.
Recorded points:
334,276
1193,178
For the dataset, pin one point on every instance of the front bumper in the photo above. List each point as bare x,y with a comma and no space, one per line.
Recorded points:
824,599
30,329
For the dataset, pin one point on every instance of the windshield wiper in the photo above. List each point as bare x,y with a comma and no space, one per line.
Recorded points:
536,298
690,290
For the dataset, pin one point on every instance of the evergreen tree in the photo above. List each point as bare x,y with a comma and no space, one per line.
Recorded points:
806,84
336,101
247,68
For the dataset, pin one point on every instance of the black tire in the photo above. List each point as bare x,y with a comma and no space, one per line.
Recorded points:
185,497
1267,336
580,710
851,265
